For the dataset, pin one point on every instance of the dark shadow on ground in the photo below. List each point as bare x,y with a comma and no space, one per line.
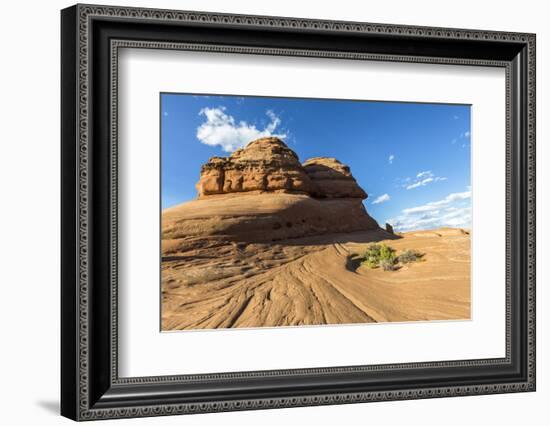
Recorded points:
369,236
353,262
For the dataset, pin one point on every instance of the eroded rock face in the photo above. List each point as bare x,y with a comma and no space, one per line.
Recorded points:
268,165
265,164
332,179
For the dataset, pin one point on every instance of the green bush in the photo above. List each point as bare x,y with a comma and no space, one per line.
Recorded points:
373,250
376,253
387,253
385,257
371,262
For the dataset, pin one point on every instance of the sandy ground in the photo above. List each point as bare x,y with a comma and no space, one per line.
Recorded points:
209,283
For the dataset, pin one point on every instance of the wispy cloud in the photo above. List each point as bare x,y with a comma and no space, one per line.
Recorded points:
275,121
454,210
221,129
419,183
381,199
423,178
391,158
465,135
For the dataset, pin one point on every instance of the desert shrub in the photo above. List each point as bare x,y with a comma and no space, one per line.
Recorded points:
409,256
387,253
378,253
371,257
373,250
388,264
385,257
370,262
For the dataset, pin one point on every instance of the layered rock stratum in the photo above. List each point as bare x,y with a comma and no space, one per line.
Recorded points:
270,241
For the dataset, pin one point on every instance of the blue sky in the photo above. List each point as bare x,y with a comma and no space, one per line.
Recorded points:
413,159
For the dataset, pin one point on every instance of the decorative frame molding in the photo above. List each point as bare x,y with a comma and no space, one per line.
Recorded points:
91,388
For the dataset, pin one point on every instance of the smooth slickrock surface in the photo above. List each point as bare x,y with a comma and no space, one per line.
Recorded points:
263,217
314,281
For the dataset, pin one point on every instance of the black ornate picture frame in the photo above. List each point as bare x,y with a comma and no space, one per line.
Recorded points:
91,387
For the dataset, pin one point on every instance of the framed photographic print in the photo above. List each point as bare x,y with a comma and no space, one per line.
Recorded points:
263,212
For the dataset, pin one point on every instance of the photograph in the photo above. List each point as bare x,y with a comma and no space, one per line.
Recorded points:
267,209
281,211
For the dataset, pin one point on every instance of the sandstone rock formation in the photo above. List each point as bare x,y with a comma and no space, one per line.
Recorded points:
265,164
332,179
262,193
266,217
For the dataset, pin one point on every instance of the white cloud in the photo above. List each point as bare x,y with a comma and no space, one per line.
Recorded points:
424,178
221,129
449,211
466,134
456,196
422,182
391,158
419,209
275,121
381,199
